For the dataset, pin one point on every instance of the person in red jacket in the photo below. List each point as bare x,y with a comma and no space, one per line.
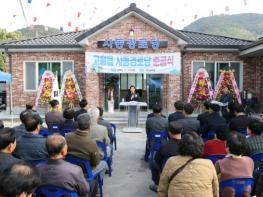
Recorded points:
218,144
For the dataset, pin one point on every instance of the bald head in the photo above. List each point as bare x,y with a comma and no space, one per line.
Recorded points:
55,144
19,178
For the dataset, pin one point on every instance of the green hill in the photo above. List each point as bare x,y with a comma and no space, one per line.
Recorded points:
245,26
37,31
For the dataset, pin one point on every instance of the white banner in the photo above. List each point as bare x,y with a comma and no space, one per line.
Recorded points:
161,63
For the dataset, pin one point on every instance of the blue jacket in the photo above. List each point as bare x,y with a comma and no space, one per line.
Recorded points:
31,147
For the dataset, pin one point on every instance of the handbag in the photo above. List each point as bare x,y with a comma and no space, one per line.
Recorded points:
179,170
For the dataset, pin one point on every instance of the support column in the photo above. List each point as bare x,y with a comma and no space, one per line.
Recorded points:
92,89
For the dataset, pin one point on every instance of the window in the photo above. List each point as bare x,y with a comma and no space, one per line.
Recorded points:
34,70
214,68
131,79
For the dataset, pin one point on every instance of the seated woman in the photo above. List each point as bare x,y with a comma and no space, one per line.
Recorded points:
235,165
218,144
196,177
69,123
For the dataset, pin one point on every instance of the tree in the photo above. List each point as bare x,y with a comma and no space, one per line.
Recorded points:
7,36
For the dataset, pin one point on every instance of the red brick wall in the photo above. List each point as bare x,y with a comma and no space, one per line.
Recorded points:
171,86
253,72
188,57
20,96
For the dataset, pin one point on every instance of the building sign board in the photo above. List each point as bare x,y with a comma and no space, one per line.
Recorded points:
156,63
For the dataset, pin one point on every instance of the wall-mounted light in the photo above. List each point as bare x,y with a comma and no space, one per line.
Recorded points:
131,32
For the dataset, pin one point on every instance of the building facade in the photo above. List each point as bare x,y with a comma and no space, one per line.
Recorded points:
28,59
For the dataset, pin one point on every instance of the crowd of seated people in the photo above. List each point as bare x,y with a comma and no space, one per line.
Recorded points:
177,165
43,157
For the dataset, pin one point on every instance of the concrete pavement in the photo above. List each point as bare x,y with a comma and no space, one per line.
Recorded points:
131,176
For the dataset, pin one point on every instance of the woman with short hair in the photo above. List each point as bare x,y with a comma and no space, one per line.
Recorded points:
188,174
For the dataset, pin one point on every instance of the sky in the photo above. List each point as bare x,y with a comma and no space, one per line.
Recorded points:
85,14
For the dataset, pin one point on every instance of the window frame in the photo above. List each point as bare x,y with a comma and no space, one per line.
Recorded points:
37,69
241,67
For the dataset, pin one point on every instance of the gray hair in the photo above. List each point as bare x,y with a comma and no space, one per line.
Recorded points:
94,115
83,121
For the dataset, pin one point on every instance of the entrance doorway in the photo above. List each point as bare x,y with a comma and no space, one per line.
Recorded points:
148,87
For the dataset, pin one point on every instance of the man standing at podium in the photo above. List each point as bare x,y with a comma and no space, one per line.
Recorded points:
132,95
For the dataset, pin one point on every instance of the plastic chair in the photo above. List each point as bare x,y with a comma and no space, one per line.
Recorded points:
214,158
257,157
38,161
239,184
243,131
154,139
53,127
64,131
44,132
84,164
114,127
103,147
54,191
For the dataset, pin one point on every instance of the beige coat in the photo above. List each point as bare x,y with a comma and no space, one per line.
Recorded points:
197,179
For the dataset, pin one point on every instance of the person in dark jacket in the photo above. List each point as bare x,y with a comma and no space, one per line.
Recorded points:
213,120
59,172
226,96
178,114
156,123
132,95
32,109
68,115
21,129
255,140
7,147
189,123
167,149
83,105
241,121
203,116
31,145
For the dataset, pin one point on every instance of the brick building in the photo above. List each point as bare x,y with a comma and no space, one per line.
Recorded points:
27,59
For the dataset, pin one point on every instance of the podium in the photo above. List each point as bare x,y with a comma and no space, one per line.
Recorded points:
133,111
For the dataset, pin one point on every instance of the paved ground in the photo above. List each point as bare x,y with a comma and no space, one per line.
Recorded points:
131,176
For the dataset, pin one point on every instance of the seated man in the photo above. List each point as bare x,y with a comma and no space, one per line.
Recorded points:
31,108
106,124
54,116
19,180
189,123
97,132
218,144
31,145
83,105
68,115
255,140
213,120
156,123
59,172
21,129
178,114
81,145
241,121
168,149
7,146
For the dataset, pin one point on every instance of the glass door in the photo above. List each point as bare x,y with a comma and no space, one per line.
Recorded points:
155,86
